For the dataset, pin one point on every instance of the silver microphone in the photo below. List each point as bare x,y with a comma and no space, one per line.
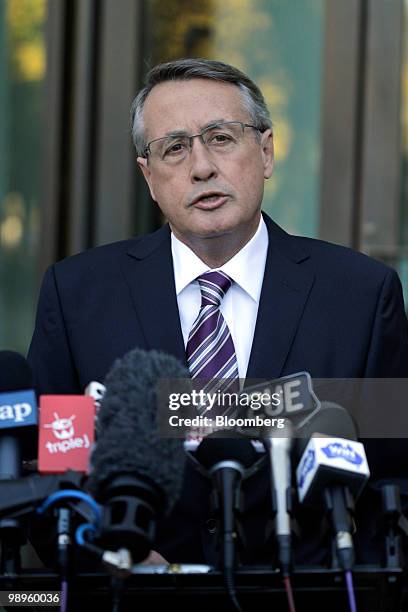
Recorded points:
278,444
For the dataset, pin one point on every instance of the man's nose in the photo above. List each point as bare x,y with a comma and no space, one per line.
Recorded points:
202,163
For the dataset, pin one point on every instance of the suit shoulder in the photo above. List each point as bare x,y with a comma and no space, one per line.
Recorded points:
336,262
340,259
103,258
96,257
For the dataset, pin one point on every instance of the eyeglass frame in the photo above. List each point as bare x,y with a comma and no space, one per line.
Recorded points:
147,152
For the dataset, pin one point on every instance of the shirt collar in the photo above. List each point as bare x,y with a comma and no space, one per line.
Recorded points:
187,266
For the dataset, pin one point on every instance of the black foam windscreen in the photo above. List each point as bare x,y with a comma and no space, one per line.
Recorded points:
128,441
330,420
15,373
212,450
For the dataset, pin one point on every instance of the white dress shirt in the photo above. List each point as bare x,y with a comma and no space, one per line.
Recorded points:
240,304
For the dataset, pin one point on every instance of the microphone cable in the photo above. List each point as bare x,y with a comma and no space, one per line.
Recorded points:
63,530
72,494
289,593
230,585
64,595
350,591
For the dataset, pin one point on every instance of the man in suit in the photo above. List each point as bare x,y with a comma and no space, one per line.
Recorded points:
205,146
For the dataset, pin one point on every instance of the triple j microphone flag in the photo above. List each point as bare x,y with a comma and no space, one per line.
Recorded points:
66,433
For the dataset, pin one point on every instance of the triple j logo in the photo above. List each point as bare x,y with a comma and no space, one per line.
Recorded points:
64,432
62,428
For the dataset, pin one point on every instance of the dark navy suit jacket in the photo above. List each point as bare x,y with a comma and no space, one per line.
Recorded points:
323,308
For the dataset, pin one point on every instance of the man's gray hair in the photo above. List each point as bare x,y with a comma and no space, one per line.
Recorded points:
187,69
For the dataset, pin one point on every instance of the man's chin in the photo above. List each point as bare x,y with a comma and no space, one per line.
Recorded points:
201,230
213,232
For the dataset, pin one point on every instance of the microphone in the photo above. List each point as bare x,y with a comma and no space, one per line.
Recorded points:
330,420
227,460
333,469
66,435
96,390
278,444
18,413
15,373
135,474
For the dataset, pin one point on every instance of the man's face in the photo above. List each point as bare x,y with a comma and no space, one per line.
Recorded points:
207,194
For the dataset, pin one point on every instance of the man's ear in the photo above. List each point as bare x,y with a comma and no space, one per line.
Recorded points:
144,167
267,153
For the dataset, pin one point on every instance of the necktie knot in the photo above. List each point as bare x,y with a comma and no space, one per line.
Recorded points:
213,286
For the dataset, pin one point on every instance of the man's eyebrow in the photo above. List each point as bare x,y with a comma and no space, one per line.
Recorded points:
176,133
212,123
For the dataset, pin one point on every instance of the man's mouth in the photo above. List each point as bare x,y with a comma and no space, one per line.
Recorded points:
210,200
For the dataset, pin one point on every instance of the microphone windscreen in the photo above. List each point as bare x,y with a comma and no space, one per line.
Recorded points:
213,450
15,373
330,420
128,441
133,379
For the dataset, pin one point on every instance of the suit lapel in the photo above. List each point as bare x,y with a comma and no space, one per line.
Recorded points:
285,290
148,270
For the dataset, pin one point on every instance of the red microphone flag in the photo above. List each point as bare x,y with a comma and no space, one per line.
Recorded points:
66,433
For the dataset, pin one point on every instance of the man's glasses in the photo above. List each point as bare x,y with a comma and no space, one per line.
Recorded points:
221,138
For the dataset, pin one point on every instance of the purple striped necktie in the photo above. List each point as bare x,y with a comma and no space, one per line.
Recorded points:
210,348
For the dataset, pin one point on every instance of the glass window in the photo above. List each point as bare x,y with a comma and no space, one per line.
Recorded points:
22,70
280,46
403,258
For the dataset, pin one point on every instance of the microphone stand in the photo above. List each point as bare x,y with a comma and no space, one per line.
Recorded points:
340,507
11,533
11,538
395,526
227,495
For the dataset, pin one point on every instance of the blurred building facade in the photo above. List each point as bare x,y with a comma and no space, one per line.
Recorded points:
335,77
